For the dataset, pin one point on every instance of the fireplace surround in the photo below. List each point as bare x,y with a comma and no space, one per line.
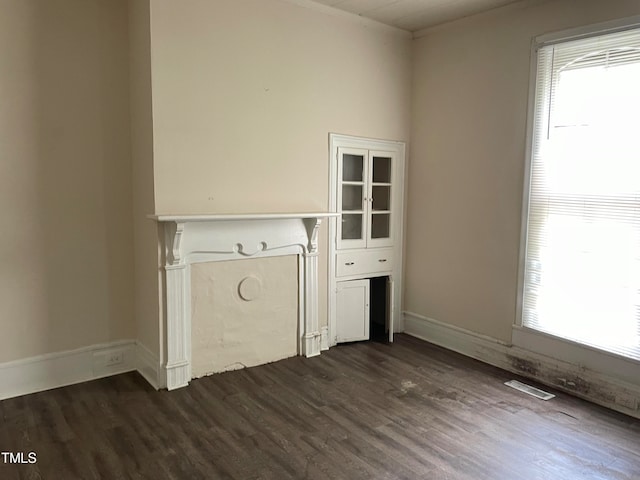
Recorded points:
189,239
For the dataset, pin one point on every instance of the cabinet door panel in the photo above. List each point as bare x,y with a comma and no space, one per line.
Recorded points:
352,190
381,168
353,166
380,226
380,199
352,197
351,227
352,316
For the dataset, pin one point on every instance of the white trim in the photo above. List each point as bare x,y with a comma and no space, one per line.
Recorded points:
526,184
237,217
446,335
324,338
59,369
364,143
332,239
587,31
148,365
620,392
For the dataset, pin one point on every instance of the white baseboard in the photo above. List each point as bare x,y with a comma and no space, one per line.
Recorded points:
590,384
59,369
149,367
324,338
53,370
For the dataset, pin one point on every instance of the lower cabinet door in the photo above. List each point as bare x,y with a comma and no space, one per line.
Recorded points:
352,316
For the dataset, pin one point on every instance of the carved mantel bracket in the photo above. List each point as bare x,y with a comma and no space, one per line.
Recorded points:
313,227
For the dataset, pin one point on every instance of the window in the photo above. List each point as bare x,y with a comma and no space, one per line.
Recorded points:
582,258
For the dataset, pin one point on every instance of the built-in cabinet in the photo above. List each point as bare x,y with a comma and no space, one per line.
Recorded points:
367,178
365,198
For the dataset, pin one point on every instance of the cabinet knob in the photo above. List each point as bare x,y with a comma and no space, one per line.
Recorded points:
382,259
349,263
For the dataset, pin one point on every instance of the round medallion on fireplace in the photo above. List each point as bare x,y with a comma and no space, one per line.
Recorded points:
249,288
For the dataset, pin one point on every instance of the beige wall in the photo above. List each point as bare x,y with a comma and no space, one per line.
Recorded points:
65,181
245,93
145,239
470,88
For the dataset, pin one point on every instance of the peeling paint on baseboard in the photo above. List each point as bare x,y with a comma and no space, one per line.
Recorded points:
584,385
525,366
615,393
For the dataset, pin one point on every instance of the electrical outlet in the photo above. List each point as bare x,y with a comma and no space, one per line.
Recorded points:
114,358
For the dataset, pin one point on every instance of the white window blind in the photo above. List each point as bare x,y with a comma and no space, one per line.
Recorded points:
582,261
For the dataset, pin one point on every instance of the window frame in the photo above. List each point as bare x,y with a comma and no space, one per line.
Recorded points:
527,338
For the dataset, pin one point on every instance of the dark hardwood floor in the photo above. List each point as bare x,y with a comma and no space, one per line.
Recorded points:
359,411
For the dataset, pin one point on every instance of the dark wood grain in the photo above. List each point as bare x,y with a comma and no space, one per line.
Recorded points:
360,411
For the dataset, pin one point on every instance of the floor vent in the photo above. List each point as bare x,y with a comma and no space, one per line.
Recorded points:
536,392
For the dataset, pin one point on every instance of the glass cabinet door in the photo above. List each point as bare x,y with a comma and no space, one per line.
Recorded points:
352,191
380,219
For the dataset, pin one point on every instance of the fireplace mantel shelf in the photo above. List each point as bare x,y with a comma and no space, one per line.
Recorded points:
238,216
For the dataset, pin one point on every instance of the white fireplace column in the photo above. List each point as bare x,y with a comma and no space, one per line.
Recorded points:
192,239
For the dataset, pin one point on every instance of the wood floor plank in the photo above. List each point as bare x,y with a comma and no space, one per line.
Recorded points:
366,410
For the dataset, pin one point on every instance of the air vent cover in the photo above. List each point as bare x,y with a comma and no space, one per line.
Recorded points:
528,389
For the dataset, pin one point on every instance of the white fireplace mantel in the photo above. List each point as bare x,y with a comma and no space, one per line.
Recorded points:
189,239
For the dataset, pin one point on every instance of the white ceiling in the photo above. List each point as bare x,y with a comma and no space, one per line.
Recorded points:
414,15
